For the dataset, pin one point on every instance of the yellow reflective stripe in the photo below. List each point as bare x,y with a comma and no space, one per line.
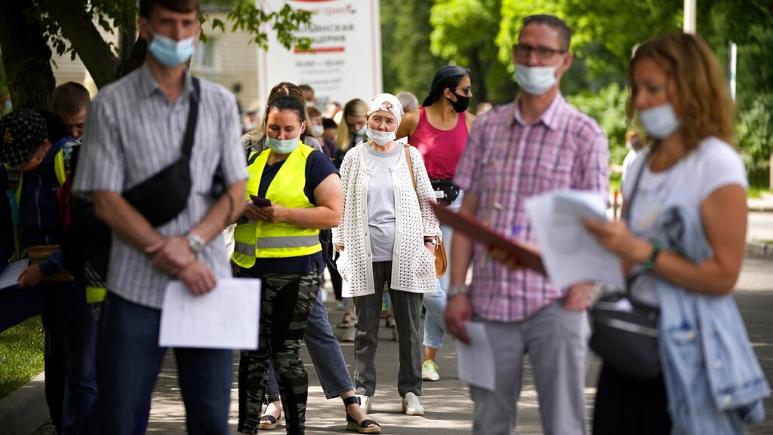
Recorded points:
95,294
288,252
61,175
288,242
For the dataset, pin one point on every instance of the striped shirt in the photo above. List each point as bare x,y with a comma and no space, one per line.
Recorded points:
507,161
133,132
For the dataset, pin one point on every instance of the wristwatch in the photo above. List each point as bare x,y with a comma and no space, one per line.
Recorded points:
456,289
195,242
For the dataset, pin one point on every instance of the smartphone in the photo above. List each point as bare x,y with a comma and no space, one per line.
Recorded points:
260,202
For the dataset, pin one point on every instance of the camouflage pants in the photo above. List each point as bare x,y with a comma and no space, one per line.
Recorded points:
286,301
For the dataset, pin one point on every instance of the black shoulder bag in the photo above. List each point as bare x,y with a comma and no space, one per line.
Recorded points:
163,196
625,331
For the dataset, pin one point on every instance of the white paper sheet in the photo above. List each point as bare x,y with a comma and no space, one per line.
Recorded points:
476,360
11,273
225,318
569,252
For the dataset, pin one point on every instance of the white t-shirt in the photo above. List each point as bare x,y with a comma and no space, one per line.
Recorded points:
689,182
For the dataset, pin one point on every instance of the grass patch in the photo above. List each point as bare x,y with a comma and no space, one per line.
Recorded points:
21,354
756,192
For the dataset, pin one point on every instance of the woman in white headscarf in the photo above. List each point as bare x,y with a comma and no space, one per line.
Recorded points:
387,237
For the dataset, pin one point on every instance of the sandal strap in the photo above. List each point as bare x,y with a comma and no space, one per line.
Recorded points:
269,418
352,400
367,422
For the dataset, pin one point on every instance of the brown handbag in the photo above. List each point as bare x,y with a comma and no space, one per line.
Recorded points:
441,261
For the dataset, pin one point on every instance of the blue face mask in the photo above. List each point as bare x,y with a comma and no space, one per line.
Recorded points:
660,121
169,52
535,80
282,146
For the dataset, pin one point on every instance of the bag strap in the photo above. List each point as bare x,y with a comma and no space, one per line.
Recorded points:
193,117
409,162
627,203
626,215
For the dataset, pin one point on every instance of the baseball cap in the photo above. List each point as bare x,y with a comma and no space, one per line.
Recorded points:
21,133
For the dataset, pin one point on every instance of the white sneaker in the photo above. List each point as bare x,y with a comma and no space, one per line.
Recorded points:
411,405
429,371
365,402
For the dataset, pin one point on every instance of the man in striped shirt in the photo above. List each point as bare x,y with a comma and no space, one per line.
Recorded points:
134,131
535,144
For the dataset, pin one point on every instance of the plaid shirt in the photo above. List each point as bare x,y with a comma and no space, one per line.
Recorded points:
507,161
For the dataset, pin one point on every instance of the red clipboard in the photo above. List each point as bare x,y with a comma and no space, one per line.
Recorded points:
472,228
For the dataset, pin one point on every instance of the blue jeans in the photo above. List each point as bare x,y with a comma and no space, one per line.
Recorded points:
435,303
129,360
325,354
70,336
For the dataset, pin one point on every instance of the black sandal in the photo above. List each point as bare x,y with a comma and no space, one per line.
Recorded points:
366,425
268,421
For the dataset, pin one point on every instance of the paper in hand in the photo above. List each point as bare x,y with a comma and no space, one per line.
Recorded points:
225,318
12,272
570,253
476,360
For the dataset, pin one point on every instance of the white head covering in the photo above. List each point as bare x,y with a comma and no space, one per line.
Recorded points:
387,103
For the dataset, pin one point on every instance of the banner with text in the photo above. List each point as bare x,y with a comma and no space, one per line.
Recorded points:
344,60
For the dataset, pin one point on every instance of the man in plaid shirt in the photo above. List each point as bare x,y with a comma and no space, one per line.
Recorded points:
536,144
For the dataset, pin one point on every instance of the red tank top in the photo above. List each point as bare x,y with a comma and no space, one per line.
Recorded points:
441,149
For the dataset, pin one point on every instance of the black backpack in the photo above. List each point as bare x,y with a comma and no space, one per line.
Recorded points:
86,239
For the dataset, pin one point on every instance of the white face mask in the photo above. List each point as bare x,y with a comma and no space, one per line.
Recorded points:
362,131
660,121
381,137
315,130
535,80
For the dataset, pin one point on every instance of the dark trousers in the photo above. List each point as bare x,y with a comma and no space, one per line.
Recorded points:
129,360
630,406
286,302
407,311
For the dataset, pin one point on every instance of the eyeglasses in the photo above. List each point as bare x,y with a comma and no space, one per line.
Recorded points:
523,51
466,91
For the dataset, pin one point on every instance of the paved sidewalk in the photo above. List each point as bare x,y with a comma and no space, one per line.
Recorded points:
447,402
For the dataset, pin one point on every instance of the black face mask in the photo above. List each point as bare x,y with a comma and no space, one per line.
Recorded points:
461,104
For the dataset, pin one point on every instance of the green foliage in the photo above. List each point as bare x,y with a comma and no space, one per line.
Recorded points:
408,64
603,36
755,138
245,15
21,354
114,16
462,33
607,107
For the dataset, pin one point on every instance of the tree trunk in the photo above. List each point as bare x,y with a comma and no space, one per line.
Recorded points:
86,40
478,70
26,56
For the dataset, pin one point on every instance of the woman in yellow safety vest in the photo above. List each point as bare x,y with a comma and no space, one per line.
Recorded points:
293,192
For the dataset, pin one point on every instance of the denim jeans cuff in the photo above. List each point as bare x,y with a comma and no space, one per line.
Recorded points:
338,393
432,345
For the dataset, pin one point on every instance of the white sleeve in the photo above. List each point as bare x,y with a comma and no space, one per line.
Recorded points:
721,166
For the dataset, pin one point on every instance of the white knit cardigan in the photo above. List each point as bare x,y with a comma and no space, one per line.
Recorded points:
413,266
